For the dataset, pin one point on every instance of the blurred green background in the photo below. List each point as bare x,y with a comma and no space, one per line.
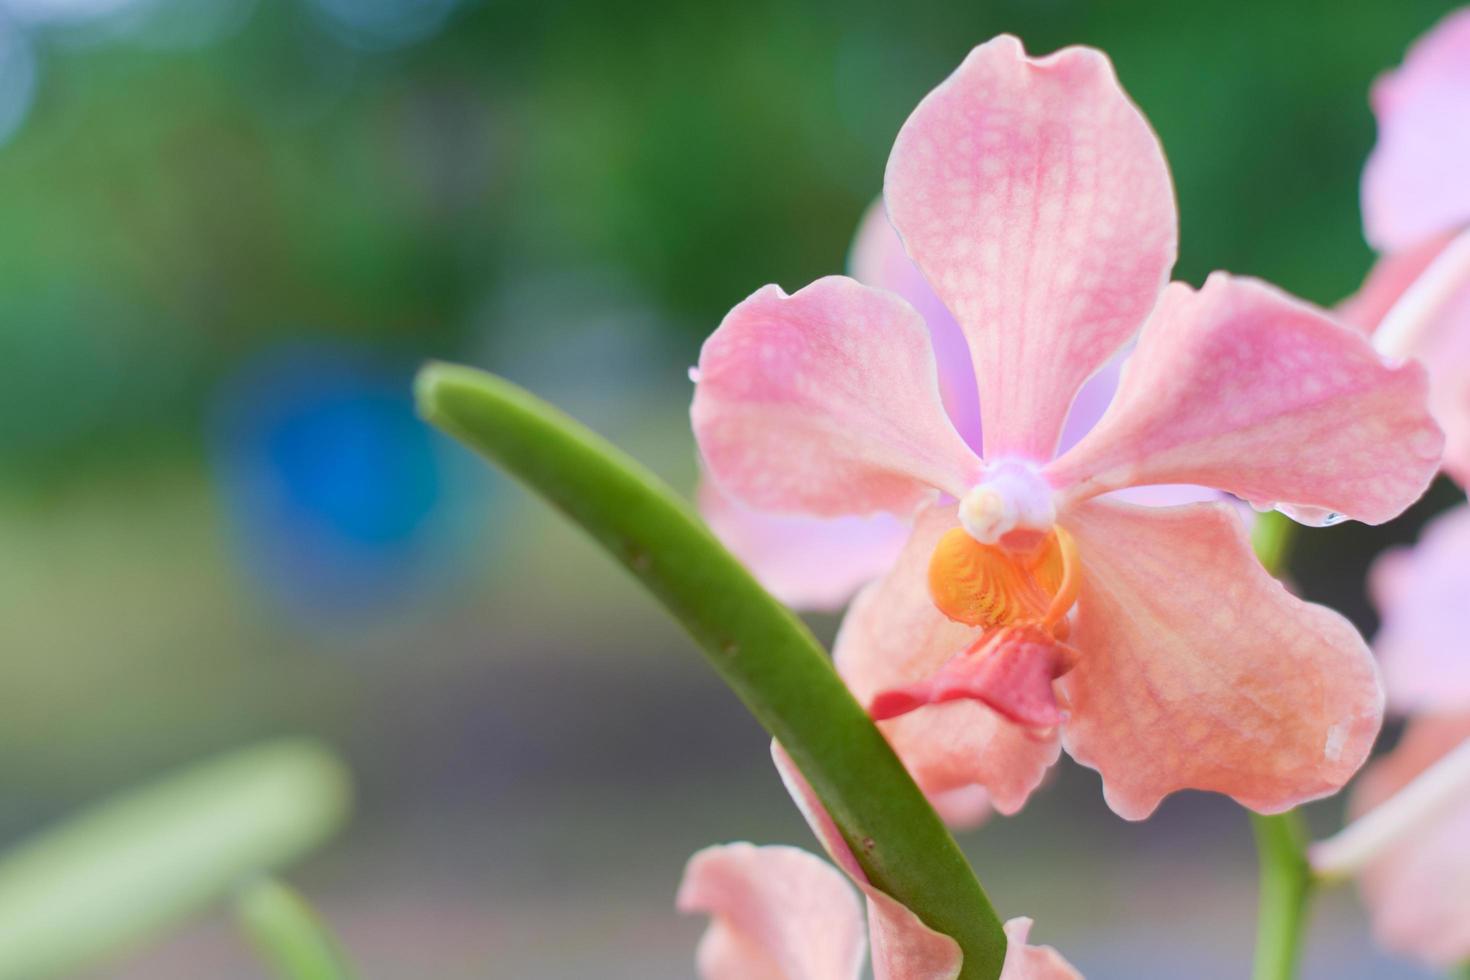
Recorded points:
229,230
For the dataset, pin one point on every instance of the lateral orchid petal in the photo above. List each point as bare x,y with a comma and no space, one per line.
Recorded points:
1035,199
806,562
826,403
1242,388
893,636
777,913
1414,185
1423,596
1418,890
1220,681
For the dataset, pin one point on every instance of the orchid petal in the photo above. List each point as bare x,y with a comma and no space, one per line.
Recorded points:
879,260
1035,199
1198,670
1414,184
1387,281
1418,890
826,403
806,562
903,947
1025,962
893,636
1423,595
1242,388
777,913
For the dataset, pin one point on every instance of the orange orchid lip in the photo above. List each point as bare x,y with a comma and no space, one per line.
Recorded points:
1027,578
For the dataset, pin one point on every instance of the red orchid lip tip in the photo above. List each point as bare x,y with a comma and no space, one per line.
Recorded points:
892,704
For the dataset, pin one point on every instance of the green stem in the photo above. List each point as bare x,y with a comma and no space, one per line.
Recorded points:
760,649
1285,893
288,934
1286,882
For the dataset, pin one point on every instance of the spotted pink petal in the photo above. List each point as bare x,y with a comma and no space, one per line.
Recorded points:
1036,200
904,948
1198,670
777,913
1242,388
878,260
1423,595
1418,890
894,636
806,562
826,403
1414,184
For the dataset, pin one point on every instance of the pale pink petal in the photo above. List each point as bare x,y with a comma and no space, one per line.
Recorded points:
1025,962
904,948
1414,184
1418,891
1423,596
1387,281
778,913
806,562
1242,388
826,403
878,260
1036,200
893,636
964,808
1200,671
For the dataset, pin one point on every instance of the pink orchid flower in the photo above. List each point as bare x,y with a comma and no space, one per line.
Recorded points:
780,913
1416,214
1411,809
1028,611
817,563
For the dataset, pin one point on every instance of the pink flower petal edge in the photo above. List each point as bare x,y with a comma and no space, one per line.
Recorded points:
1036,200
1245,389
806,562
826,403
879,260
776,912
1221,681
903,947
1414,184
893,636
1423,596
1417,891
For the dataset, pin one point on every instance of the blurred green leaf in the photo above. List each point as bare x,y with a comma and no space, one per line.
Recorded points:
289,934
758,646
133,864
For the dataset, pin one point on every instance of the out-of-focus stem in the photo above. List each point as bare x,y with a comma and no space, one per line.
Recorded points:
1285,893
288,933
1286,882
760,649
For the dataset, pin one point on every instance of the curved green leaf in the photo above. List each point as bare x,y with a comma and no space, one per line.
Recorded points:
288,933
133,864
755,644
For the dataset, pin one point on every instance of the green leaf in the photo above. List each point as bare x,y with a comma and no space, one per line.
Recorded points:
129,866
289,934
760,649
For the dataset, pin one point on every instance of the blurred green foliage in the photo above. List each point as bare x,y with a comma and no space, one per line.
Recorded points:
167,211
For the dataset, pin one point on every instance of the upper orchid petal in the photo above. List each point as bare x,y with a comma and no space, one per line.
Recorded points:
777,913
1423,595
878,259
1035,199
1242,388
1418,890
1414,185
1198,670
826,403
894,636
806,562
904,948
